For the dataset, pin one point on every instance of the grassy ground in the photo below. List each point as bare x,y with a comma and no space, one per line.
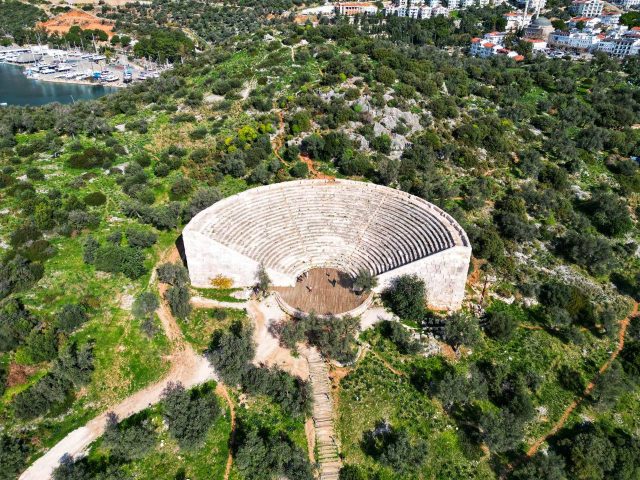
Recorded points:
220,294
380,388
167,461
371,392
197,329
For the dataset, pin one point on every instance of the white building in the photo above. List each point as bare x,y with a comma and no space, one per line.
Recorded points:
627,4
484,48
574,39
610,19
534,5
440,10
495,37
620,47
356,8
587,22
515,21
537,44
587,8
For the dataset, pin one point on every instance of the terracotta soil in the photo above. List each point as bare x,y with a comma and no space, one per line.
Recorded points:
18,374
62,23
315,173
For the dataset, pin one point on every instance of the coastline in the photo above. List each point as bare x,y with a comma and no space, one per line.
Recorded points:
70,81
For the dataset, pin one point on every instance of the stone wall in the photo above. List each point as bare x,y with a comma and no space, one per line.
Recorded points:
207,258
294,226
444,273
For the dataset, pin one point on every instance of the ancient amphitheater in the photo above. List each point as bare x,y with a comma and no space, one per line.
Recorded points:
340,226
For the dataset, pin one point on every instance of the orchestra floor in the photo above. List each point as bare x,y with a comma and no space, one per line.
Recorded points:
324,291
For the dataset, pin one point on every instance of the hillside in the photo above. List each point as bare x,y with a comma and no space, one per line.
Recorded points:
532,159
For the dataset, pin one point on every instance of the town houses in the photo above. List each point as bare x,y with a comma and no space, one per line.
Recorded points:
593,28
492,44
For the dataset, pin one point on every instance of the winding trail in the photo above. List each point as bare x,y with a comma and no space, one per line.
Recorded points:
187,367
221,390
533,449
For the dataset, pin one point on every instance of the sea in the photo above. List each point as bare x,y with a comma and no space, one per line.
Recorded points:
17,89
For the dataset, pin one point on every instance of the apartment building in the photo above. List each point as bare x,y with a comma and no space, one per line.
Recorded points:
587,8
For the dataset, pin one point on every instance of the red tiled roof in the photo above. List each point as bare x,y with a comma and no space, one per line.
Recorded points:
488,45
518,58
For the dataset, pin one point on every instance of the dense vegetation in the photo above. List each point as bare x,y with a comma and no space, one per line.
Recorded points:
17,20
533,159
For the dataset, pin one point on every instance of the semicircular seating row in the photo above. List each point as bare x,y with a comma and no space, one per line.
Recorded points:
346,225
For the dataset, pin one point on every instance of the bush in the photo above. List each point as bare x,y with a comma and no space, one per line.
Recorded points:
462,329
609,213
203,198
189,414
70,317
116,259
14,452
178,298
181,187
334,337
299,170
173,273
221,282
231,351
264,453
394,447
364,281
129,440
42,345
91,246
95,199
401,337
72,369
289,391
16,322
501,324
18,274
145,305
406,297
92,157
140,238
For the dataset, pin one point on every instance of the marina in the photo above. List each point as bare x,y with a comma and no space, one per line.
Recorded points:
16,89
23,68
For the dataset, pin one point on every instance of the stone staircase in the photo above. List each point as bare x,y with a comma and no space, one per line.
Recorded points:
326,438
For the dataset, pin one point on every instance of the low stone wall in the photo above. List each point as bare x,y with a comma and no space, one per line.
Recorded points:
294,312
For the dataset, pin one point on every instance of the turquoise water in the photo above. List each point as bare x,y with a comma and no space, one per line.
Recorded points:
17,89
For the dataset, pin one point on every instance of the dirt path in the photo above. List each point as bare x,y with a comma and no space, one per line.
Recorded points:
187,367
386,364
278,140
587,391
315,173
268,350
221,390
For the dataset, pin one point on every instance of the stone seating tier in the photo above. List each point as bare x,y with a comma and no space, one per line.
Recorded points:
294,226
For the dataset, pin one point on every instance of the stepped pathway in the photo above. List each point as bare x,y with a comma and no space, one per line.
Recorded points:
326,438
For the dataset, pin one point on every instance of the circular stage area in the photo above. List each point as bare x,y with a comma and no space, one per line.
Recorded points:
295,227
325,291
